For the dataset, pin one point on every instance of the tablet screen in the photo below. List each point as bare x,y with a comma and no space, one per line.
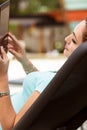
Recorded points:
4,17
4,21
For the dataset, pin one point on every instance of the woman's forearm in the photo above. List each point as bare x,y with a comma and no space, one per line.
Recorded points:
28,66
7,113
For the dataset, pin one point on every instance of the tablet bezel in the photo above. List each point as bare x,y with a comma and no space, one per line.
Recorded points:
3,30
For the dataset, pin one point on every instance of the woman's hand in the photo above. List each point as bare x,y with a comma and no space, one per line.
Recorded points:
4,62
15,48
18,51
4,42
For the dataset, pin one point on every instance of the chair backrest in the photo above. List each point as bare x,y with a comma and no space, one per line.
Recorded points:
64,101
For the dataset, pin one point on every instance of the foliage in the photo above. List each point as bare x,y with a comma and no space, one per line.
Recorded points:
34,6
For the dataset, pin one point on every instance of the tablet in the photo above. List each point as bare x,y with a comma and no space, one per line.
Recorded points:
4,20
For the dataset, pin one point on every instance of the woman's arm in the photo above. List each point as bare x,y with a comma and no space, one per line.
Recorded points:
18,51
8,117
27,105
7,113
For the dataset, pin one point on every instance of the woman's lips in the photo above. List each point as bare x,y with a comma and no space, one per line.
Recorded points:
66,48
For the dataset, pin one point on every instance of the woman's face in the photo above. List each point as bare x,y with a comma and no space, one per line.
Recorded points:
73,40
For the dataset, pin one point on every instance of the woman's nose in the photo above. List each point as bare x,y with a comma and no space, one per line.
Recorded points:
67,39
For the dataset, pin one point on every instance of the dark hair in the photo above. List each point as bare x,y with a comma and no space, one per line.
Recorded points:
85,32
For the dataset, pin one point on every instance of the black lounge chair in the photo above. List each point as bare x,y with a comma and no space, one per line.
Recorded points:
63,104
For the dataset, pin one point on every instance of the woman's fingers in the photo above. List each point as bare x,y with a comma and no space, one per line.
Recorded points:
13,52
4,61
3,53
13,38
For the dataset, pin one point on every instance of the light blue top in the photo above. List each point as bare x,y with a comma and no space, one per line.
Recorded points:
33,81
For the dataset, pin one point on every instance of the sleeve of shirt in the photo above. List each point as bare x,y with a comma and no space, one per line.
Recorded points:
43,80
34,81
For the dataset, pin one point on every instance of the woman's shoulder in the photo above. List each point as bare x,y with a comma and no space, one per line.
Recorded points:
40,73
39,76
37,80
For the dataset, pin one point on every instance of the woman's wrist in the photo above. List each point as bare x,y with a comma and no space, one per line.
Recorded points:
4,93
4,83
28,67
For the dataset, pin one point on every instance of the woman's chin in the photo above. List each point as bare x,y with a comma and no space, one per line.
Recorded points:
66,53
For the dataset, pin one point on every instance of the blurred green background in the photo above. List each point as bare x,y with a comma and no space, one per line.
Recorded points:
25,7
42,25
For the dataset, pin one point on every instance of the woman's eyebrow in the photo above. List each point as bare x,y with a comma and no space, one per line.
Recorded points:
75,36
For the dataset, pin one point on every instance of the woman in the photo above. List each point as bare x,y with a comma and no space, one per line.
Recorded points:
35,82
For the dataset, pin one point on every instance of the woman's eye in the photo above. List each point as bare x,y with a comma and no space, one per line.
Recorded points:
73,41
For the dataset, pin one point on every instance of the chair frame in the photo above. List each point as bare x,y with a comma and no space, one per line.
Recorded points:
62,105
